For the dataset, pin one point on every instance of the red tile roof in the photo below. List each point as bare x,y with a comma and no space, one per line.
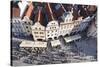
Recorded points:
29,11
15,12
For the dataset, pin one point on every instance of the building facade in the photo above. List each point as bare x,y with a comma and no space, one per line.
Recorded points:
65,28
38,31
22,26
27,23
52,30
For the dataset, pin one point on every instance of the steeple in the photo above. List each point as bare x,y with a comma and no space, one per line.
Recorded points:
63,8
49,12
29,11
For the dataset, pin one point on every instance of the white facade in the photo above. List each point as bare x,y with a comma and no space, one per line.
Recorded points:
38,31
52,30
76,24
65,28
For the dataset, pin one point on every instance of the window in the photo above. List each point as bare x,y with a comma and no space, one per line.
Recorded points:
51,34
50,28
55,38
41,32
64,26
39,28
52,31
29,23
36,36
28,31
18,21
42,36
36,28
35,32
26,26
25,22
48,35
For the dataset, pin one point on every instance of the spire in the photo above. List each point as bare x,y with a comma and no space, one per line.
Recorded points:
39,15
51,13
63,8
29,11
